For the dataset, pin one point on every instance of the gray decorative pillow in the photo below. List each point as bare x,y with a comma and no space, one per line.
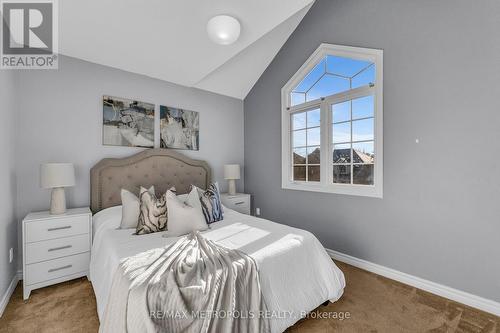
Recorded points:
210,203
131,208
153,213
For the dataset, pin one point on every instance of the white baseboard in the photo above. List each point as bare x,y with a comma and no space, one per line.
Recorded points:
8,293
432,287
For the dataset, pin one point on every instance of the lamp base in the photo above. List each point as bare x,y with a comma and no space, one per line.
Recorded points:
57,201
232,187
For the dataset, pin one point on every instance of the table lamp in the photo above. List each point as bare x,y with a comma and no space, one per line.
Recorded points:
231,173
57,176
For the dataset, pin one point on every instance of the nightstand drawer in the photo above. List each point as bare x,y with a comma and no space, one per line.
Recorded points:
56,268
56,248
56,228
238,202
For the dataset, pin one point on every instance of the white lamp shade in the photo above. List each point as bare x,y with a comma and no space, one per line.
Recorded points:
57,175
223,29
232,171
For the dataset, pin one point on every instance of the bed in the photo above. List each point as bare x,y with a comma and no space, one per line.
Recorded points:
295,272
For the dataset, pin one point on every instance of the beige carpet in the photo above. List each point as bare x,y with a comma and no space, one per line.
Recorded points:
373,304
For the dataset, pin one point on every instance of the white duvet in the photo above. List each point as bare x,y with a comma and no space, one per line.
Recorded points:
296,274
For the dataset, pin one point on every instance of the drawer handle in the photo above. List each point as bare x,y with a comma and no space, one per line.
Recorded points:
239,203
59,268
59,228
60,248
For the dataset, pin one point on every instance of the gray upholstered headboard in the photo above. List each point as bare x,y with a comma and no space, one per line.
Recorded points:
159,167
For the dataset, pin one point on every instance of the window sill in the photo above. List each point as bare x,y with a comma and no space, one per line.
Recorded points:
355,190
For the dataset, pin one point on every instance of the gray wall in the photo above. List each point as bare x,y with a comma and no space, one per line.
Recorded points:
8,230
439,218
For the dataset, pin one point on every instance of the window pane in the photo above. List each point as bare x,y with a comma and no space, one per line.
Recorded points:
313,173
342,153
345,66
363,174
313,137
298,98
341,112
299,156
299,120
326,86
299,138
364,78
363,152
313,155
312,77
313,118
299,173
342,132
362,107
342,174
362,130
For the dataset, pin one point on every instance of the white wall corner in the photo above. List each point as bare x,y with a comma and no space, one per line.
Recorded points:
456,295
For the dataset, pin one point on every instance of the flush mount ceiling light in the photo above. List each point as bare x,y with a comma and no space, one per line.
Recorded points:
223,29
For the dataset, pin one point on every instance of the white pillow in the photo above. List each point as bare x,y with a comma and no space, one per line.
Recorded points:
130,208
182,197
184,217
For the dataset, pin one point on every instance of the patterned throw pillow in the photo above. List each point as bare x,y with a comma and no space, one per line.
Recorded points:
153,215
131,208
210,203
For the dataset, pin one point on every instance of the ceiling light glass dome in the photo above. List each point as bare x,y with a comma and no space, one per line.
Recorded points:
223,29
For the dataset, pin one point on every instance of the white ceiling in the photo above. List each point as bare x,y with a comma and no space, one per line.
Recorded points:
167,39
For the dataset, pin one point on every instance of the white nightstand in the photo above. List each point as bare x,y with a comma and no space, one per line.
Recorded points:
240,202
56,248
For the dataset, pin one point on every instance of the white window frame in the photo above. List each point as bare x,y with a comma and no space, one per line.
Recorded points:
326,183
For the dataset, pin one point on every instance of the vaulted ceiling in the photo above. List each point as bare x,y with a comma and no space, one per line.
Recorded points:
167,39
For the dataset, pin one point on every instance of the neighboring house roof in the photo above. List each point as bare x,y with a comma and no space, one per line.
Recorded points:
339,156
343,156
364,157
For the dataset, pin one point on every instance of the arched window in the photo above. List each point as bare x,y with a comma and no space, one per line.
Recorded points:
332,123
